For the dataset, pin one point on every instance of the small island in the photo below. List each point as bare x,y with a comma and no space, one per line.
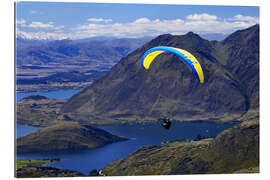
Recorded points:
65,136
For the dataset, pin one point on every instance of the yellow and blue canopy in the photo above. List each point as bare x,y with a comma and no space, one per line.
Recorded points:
184,55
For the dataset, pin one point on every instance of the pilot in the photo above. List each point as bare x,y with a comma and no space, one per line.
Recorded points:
166,123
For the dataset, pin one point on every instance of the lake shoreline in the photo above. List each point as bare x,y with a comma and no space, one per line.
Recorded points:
34,89
62,94
146,123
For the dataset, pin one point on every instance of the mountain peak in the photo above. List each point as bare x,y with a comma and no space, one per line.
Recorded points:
164,37
244,35
190,33
186,41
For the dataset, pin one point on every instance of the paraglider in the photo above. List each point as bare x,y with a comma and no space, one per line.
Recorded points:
184,55
166,123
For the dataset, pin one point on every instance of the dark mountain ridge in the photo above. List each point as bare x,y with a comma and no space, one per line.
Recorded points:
127,91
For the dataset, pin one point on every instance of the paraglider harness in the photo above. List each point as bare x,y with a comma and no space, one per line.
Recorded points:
166,123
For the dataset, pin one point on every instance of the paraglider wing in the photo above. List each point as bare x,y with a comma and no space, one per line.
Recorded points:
187,57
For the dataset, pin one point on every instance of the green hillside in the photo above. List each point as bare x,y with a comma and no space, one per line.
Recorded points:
236,150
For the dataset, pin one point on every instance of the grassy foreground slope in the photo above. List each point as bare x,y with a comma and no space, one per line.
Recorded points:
31,162
40,171
65,136
235,150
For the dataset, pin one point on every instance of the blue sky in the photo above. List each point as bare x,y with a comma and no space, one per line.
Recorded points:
59,20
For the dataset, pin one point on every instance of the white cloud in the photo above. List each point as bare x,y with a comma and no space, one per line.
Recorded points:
40,30
142,20
138,27
240,17
36,24
201,17
99,20
198,23
42,35
33,12
21,22
59,27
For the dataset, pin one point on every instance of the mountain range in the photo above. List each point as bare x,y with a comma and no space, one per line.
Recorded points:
84,51
130,93
52,65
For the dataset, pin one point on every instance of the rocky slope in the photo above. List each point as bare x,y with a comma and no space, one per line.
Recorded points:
65,136
236,150
128,92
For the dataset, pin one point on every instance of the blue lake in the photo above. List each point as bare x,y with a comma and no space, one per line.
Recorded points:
22,129
140,134
147,134
60,94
